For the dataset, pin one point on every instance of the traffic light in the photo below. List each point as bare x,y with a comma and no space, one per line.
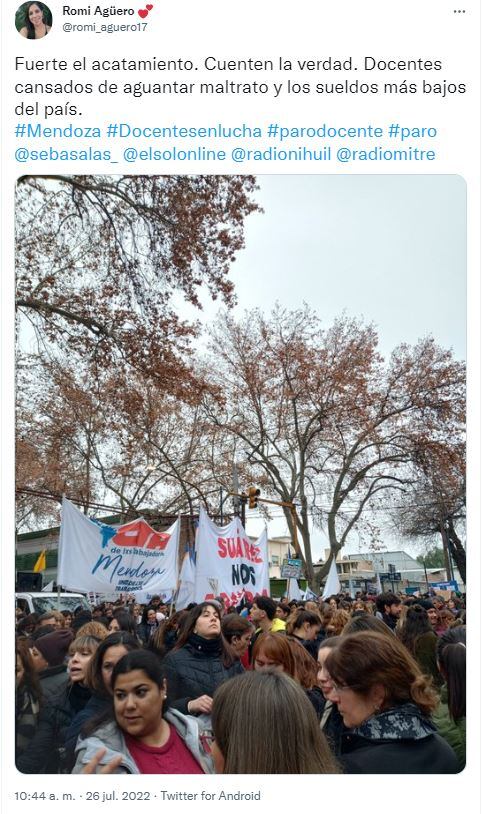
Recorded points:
253,495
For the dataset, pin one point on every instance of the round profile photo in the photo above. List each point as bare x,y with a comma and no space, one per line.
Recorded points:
33,20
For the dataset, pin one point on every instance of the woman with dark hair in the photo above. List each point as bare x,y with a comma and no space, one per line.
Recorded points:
417,634
385,702
35,22
123,621
144,737
165,637
449,717
148,625
200,661
98,676
67,618
28,696
304,626
238,632
264,724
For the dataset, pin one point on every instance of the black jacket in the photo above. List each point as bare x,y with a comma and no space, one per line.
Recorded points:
94,708
399,741
196,669
46,753
52,680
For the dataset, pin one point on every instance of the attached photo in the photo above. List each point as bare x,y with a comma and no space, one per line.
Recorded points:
240,473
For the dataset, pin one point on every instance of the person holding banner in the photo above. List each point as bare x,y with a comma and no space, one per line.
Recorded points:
200,661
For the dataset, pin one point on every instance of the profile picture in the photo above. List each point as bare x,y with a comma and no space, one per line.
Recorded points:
33,20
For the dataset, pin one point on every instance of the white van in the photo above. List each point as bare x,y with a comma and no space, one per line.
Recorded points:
43,602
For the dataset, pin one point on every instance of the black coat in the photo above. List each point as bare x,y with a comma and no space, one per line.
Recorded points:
399,741
45,754
196,669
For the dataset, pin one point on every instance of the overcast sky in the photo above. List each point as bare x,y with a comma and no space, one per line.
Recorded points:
389,248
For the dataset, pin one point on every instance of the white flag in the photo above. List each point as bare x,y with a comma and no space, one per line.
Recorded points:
332,584
186,583
293,589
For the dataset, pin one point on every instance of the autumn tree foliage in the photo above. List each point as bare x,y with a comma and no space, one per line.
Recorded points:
99,259
102,266
322,419
113,439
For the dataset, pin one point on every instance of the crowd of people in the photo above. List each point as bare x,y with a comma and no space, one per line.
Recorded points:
365,684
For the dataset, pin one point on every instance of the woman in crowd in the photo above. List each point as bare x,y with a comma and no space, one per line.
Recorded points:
35,23
264,724
449,717
199,662
386,703
98,680
365,621
28,697
166,635
304,626
238,632
144,737
444,619
148,625
46,751
123,621
336,623
454,605
276,652
67,618
331,722
27,625
420,639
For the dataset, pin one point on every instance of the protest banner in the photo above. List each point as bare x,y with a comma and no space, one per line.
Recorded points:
133,558
227,559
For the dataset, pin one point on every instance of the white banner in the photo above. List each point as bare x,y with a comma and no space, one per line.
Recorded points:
332,584
132,559
228,563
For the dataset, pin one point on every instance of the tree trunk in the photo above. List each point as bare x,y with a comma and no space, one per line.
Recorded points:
456,549
445,544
